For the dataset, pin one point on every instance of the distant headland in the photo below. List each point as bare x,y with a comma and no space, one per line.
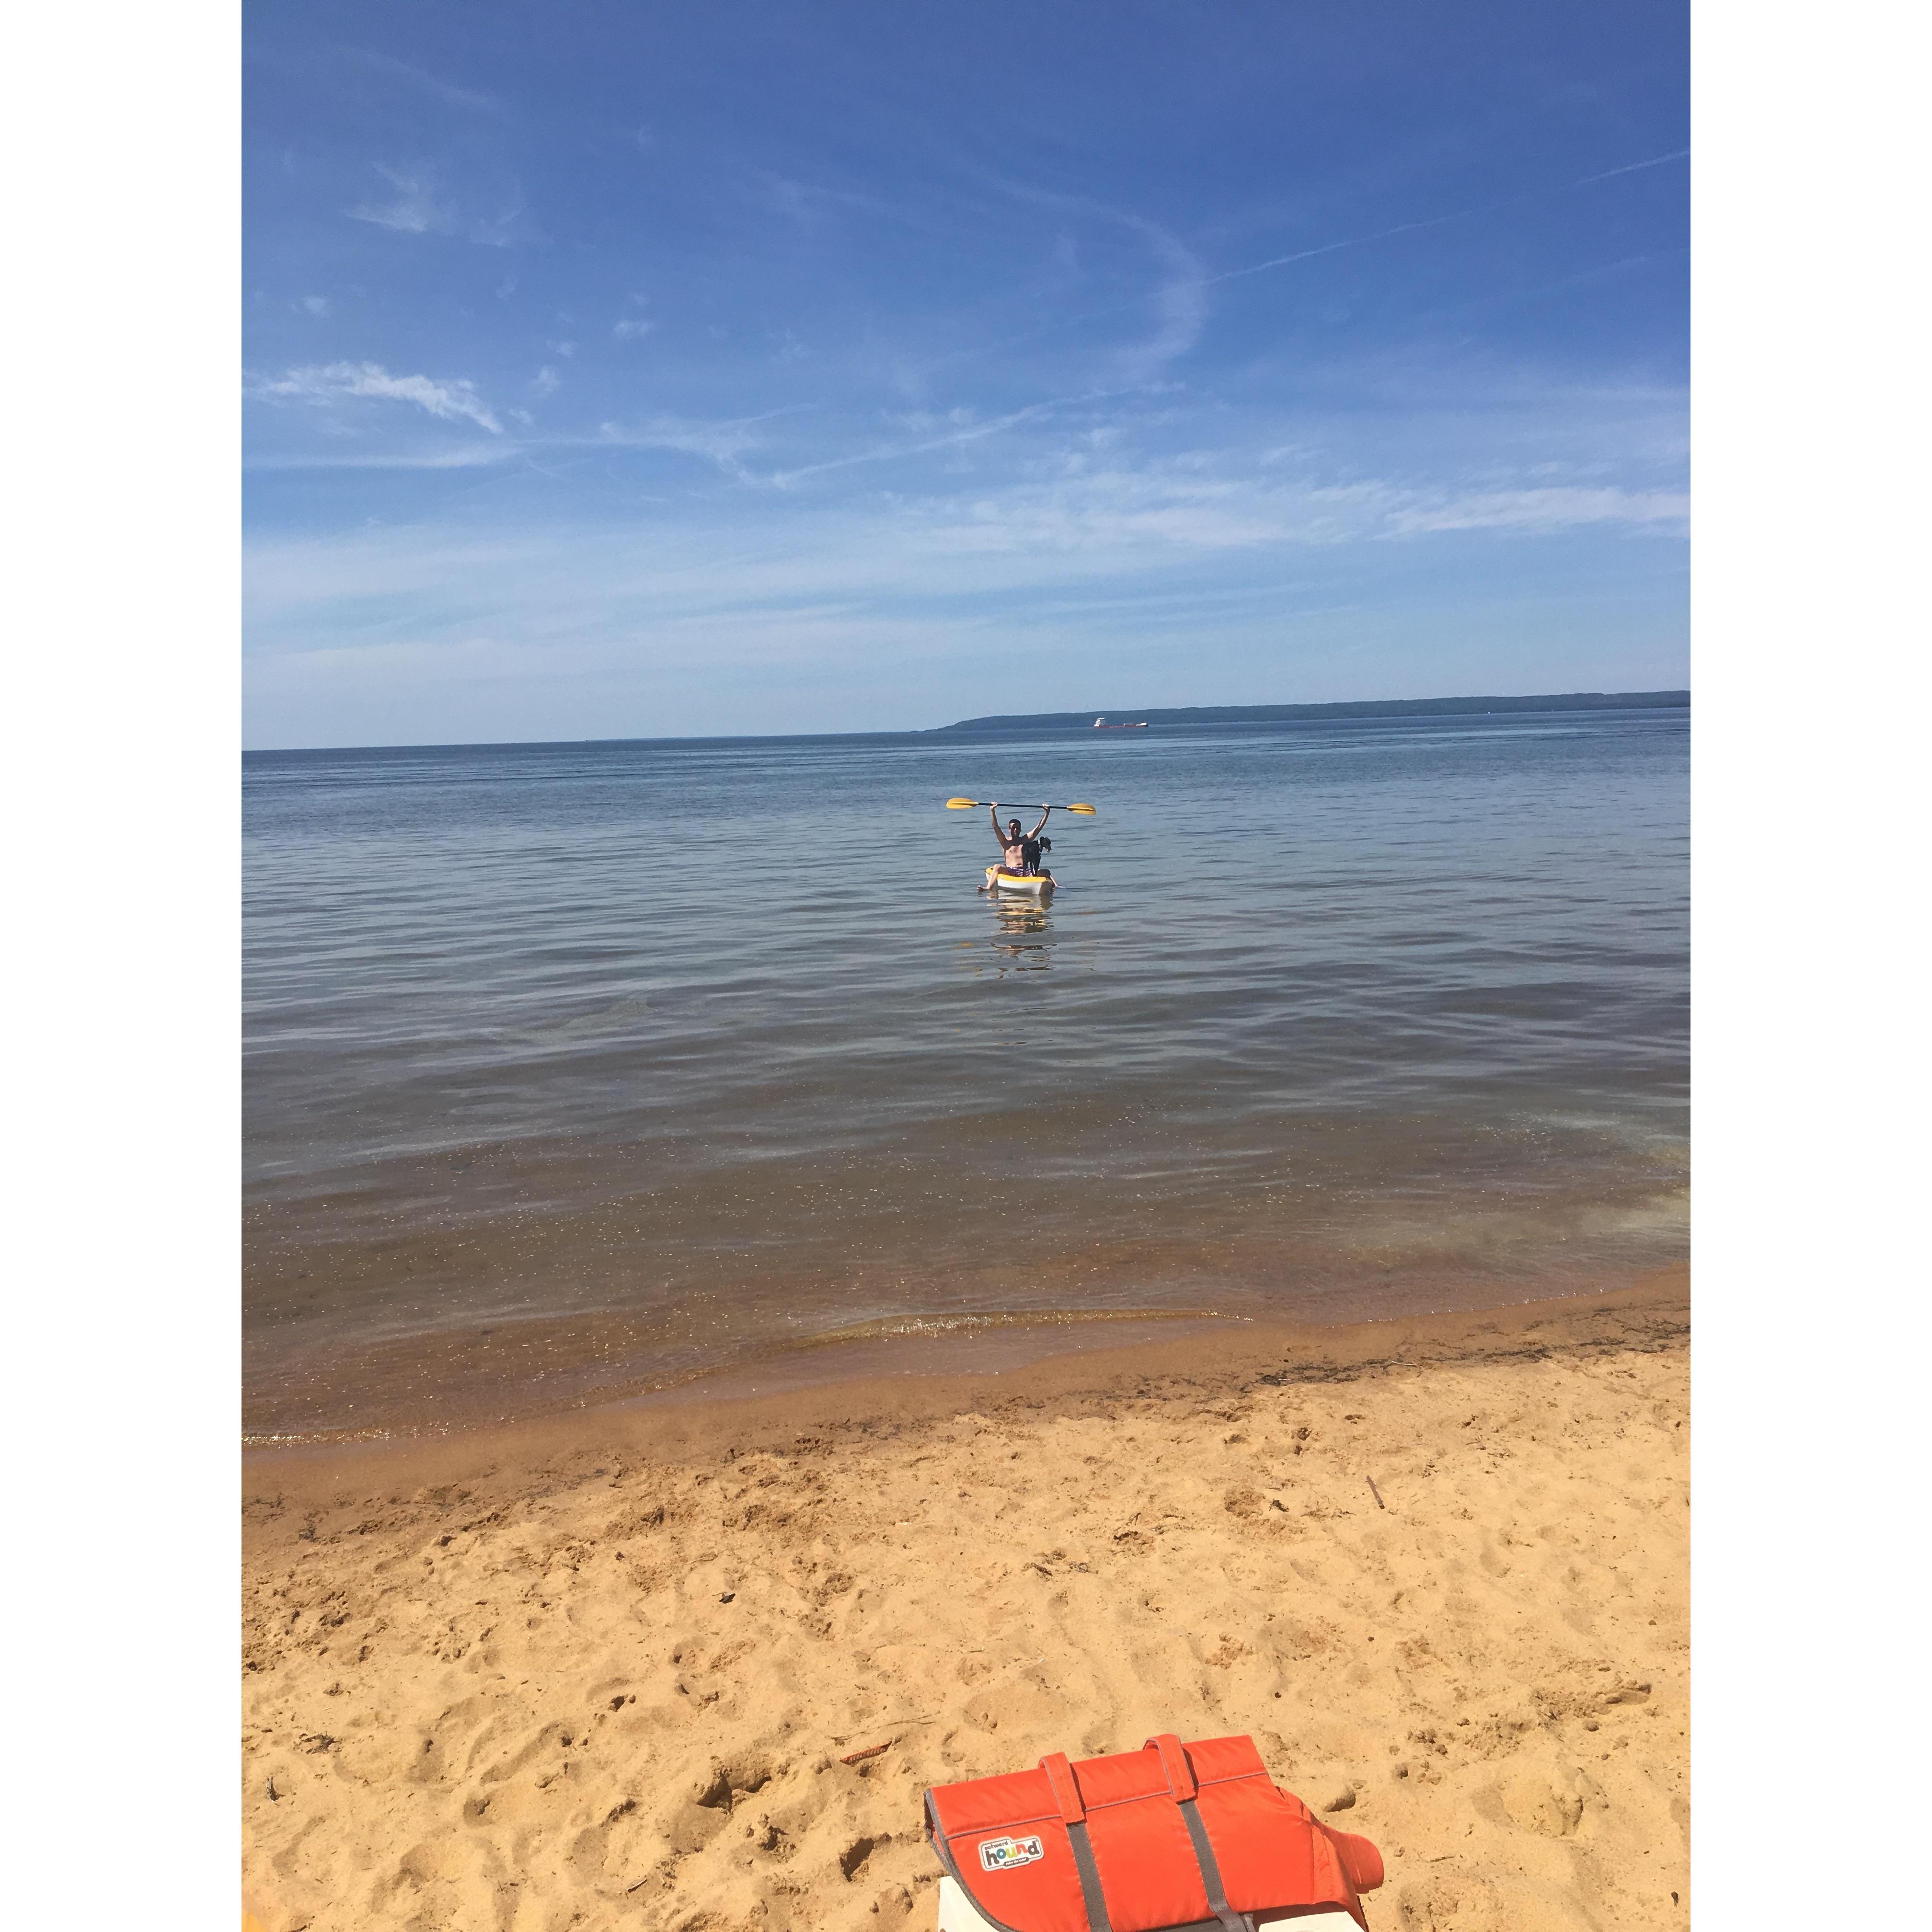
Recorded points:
1371,707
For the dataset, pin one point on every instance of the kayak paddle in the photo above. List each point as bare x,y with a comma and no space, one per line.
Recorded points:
973,804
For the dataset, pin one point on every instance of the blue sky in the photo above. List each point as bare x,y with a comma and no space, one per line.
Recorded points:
634,370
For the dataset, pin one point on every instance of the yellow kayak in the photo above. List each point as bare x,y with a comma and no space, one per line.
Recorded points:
1002,880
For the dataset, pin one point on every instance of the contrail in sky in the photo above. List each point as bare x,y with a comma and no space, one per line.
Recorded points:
1325,248
976,431
1437,221
971,433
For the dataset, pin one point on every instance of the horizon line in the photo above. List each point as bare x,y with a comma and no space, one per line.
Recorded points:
1034,721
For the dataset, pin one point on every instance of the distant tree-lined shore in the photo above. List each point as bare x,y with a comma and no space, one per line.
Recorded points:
1371,707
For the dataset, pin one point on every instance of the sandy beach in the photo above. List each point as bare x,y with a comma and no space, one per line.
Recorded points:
693,1666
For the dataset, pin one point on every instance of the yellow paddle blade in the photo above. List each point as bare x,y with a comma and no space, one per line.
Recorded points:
960,804
1090,810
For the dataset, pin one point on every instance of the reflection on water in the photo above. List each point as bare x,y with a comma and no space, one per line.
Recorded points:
560,1062
1025,944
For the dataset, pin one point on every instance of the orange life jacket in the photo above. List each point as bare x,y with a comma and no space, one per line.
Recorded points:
1171,1836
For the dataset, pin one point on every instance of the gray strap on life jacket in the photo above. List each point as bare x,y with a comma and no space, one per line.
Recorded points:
1182,1783
1231,1920
1073,1815
1090,1878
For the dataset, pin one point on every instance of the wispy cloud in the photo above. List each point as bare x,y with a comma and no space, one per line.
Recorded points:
1179,298
1172,297
1179,304
416,208
807,203
788,198
453,400
1548,509
1209,553
723,443
1129,518
447,92
545,382
504,230
968,431
421,205
466,456
1196,531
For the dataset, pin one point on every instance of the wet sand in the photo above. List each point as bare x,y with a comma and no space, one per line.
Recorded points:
607,1669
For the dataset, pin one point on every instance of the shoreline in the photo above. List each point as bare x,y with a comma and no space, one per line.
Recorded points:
949,1360
354,1379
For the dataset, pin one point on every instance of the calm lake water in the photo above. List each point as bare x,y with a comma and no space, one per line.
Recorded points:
574,1069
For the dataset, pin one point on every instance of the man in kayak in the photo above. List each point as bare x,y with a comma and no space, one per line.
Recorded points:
1019,852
